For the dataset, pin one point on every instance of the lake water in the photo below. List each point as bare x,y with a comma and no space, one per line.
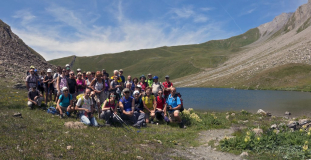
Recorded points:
221,99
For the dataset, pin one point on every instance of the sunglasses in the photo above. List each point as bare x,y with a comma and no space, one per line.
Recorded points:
72,74
137,94
65,90
112,95
126,92
159,93
64,71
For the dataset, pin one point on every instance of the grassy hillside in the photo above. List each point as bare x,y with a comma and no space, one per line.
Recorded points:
176,61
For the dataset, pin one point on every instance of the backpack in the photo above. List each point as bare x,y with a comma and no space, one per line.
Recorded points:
82,98
52,110
177,94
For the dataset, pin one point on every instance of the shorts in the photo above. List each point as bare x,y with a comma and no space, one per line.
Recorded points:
101,97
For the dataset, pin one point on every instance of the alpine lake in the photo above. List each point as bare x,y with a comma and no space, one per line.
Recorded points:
224,99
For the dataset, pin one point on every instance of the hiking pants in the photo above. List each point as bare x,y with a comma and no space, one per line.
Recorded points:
87,121
140,118
108,116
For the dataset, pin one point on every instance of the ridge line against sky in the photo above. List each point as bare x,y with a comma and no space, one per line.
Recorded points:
58,29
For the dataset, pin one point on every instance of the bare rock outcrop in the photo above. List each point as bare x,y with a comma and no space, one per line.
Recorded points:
16,57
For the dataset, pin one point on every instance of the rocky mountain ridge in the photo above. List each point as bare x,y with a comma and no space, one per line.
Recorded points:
16,57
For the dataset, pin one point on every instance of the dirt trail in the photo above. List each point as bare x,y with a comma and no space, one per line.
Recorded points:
206,152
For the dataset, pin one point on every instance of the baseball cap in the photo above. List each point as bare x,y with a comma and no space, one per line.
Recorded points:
138,86
126,90
120,70
67,65
142,76
149,74
64,88
32,67
167,76
155,77
78,69
49,70
135,92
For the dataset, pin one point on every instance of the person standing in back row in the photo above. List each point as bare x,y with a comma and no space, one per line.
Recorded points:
121,76
156,86
149,80
167,86
72,83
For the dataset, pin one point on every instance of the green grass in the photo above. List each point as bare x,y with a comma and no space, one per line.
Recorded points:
39,135
176,61
287,77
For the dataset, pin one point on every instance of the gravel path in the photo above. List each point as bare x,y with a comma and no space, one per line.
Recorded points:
206,152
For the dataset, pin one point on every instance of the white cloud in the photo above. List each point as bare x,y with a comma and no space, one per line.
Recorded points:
184,12
188,12
91,39
206,9
25,15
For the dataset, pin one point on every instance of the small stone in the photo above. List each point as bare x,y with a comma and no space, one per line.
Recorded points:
17,114
159,141
287,113
243,154
227,117
214,149
139,157
232,114
144,145
274,126
69,147
125,152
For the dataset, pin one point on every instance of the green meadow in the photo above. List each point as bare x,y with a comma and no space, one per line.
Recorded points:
176,61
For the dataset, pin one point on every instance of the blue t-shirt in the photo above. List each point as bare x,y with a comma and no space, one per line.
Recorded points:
127,103
123,78
65,101
172,101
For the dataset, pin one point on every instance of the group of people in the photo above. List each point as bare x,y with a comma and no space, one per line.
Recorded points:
138,101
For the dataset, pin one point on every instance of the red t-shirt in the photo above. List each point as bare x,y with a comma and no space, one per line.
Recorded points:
160,102
143,85
167,85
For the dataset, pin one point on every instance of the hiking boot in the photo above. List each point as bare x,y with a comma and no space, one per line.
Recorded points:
68,114
181,125
144,124
107,125
61,116
152,122
136,125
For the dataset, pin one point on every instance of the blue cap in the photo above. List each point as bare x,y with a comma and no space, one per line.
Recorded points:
35,70
155,77
142,76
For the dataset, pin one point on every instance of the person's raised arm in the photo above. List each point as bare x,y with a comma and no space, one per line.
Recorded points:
92,85
57,84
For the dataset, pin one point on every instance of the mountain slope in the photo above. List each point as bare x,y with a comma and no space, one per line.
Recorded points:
176,61
16,56
286,48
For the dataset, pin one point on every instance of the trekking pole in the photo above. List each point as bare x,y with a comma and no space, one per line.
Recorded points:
126,126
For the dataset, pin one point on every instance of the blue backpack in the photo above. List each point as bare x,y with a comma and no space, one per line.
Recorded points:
52,110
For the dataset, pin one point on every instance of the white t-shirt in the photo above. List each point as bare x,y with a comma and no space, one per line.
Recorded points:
87,103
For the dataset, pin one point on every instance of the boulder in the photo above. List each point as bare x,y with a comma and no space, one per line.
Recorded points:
292,124
260,111
303,121
257,131
75,125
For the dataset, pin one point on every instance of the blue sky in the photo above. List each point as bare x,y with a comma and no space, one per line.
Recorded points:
60,28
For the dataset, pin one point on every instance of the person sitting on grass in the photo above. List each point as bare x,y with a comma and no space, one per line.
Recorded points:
64,103
108,108
85,106
128,109
34,98
160,109
149,103
173,107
